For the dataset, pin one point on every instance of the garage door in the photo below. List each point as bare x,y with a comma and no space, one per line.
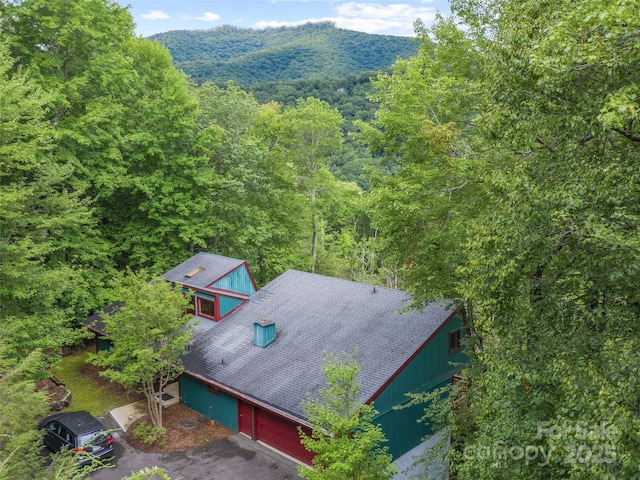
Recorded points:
273,430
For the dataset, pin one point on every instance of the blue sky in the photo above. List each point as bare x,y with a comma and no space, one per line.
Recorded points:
378,16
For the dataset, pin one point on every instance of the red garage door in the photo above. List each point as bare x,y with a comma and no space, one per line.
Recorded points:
273,430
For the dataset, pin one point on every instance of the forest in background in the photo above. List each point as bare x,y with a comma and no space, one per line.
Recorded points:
508,184
284,64
314,51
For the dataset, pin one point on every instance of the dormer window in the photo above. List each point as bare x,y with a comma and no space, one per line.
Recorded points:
206,308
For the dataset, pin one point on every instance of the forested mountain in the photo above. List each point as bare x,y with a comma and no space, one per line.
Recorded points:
351,97
289,63
515,144
311,51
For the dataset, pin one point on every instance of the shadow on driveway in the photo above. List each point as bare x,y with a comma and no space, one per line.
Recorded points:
233,458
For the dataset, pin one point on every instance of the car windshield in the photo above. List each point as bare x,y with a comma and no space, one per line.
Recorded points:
93,438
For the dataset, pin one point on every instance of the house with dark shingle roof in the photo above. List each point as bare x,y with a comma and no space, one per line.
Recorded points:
255,360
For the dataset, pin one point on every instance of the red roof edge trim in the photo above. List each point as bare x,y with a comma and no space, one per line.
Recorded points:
410,359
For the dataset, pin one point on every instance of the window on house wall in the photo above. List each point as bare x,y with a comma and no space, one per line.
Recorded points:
454,341
206,307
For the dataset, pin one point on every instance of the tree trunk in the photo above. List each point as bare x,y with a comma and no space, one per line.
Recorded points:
314,242
154,405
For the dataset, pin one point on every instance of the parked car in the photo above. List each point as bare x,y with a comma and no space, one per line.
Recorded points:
80,432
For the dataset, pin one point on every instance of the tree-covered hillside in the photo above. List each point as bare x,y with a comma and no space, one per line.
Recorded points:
508,183
311,51
351,97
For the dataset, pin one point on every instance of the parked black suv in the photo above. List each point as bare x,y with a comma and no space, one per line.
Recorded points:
80,432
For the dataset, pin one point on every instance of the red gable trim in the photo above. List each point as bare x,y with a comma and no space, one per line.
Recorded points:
410,359
244,264
217,291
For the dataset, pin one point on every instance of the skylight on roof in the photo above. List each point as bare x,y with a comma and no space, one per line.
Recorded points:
194,271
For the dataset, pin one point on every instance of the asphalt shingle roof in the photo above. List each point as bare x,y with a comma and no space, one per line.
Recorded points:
213,267
96,321
312,313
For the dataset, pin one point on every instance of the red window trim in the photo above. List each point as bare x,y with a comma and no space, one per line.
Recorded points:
215,308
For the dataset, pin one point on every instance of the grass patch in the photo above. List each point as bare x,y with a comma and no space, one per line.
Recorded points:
89,391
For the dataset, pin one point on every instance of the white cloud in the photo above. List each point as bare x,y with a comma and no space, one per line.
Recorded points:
208,17
275,24
373,25
396,12
368,18
155,15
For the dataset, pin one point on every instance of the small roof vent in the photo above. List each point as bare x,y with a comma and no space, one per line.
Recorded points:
194,272
264,332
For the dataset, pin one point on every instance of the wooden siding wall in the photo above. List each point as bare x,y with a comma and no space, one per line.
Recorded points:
220,407
227,304
236,281
430,369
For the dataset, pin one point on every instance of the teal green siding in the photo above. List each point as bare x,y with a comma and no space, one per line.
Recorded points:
220,407
103,344
204,295
236,281
263,334
430,368
227,304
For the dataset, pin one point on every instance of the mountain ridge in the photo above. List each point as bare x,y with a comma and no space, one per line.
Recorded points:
310,51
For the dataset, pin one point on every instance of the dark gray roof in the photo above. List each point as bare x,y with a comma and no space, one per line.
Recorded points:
213,267
96,321
313,313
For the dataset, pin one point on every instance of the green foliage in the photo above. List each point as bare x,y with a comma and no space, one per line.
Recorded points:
346,442
532,113
20,410
424,209
350,96
151,434
551,267
153,473
311,51
254,210
311,134
157,215
64,466
42,225
149,334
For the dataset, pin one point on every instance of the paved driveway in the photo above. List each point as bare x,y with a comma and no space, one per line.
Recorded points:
233,458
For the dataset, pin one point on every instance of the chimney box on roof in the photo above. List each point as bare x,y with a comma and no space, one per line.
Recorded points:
264,332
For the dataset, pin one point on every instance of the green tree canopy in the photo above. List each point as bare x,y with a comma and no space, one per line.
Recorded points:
312,132
553,267
149,334
346,442
46,229
20,410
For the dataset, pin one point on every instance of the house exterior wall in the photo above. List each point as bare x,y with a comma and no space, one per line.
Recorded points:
280,433
239,280
218,405
224,304
102,343
228,304
429,369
